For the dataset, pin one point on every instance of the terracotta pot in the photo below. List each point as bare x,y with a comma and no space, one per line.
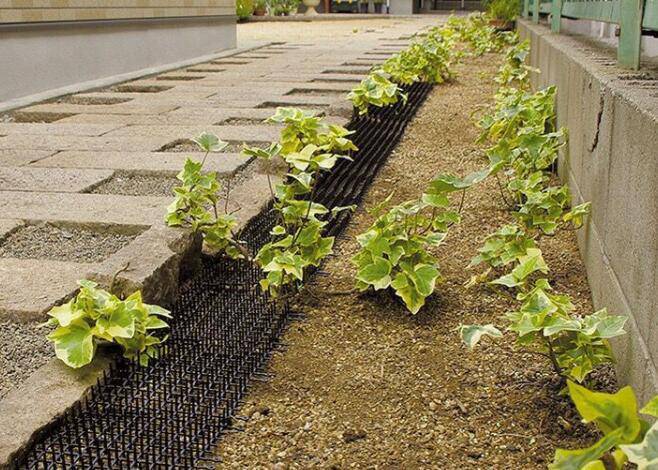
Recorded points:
502,25
260,12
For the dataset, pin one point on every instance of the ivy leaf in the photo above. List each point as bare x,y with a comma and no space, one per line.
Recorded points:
154,323
408,293
339,209
651,408
610,412
65,314
377,274
586,458
209,142
472,334
424,278
74,344
121,323
644,454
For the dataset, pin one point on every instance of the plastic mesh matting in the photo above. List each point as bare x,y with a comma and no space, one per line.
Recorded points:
171,414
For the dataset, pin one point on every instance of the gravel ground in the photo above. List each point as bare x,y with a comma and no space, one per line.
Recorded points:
184,145
93,100
135,184
364,384
24,349
45,241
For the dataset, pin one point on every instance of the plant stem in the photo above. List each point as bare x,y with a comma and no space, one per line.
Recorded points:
551,355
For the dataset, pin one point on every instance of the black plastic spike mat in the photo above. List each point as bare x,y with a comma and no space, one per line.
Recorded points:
171,414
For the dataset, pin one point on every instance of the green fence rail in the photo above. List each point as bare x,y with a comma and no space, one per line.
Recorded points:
632,16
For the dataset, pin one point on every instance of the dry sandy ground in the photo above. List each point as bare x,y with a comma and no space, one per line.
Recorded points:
363,384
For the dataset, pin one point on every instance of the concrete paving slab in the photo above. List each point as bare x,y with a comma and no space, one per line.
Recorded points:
224,163
8,225
60,142
254,133
29,287
63,386
17,157
50,179
100,109
84,208
56,129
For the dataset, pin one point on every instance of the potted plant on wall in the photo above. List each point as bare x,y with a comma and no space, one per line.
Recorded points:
260,8
503,13
244,9
378,5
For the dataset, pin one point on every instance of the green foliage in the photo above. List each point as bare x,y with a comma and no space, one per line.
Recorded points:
527,264
503,247
506,10
516,109
545,209
574,344
476,31
429,60
307,147
514,70
197,200
244,8
282,7
375,90
625,435
96,316
395,249
472,334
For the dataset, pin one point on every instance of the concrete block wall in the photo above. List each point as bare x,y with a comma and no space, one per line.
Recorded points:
612,161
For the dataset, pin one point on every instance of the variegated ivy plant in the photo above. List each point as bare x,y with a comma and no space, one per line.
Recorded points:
96,316
377,90
308,146
525,147
395,249
627,438
199,206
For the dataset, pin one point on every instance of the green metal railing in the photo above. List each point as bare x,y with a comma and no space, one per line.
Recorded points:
632,16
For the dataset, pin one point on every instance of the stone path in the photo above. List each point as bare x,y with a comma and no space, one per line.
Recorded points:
92,166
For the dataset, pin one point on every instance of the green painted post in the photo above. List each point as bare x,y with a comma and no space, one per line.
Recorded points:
535,10
630,37
526,8
556,15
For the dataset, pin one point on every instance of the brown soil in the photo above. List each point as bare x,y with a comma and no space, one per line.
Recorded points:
364,384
